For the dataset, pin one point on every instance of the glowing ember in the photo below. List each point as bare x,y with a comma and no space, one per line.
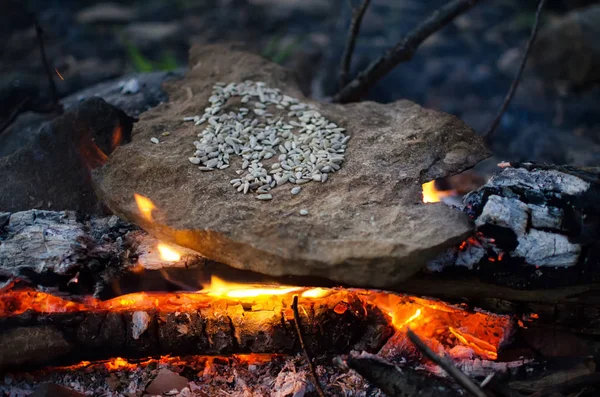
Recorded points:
167,253
58,73
409,320
221,288
119,363
145,205
432,195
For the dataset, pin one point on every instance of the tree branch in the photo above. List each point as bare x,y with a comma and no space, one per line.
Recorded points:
403,51
54,93
450,369
357,16
513,87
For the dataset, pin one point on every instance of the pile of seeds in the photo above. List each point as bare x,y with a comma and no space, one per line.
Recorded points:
275,149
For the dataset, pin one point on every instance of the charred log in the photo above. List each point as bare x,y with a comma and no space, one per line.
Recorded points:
190,324
394,381
538,228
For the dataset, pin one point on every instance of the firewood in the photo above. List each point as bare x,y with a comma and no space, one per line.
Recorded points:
186,324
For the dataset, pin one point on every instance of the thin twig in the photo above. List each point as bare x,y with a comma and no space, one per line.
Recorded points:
54,93
313,373
447,366
357,16
513,87
403,50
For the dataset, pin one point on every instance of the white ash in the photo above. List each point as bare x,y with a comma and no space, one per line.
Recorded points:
548,181
297,146
506,212
139,324
541,248
545,217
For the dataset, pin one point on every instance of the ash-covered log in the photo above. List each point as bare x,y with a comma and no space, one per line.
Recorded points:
187,324
81,254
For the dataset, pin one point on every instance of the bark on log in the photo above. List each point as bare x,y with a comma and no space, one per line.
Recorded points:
189,324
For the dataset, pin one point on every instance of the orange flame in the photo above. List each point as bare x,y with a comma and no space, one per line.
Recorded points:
223,289
432,195
315,293
168,253
408,320
117,137
92,155
145,205
479,346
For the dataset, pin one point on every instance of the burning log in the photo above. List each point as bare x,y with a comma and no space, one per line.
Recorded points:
143,325
230,318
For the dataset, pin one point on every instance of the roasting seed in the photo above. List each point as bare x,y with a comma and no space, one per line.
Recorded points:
303,212
265,197
154,140
306,144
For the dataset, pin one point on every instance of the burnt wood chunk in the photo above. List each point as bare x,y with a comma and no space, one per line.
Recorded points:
52,171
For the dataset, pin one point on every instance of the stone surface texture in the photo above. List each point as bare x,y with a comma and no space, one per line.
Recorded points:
366,226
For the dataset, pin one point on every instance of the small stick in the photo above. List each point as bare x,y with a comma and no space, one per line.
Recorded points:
357,16
313,373
40,35
513,87
446,365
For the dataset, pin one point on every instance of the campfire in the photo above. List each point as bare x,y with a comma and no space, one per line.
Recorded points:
247,240
236,323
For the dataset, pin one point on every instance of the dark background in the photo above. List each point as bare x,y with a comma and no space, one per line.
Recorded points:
465,69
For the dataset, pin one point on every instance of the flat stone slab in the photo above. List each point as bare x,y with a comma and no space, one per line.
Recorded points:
365,226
